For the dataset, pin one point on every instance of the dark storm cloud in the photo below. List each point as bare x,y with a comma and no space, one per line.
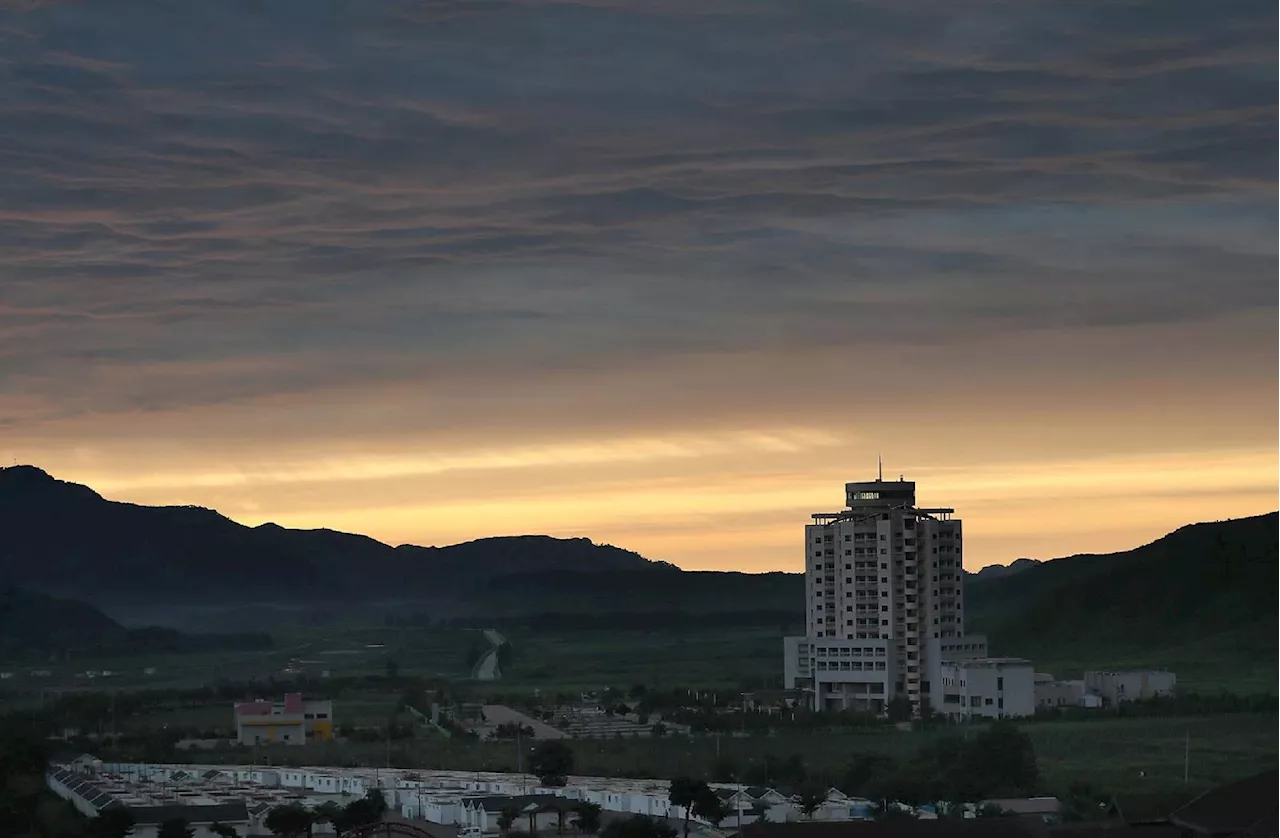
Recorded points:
208,183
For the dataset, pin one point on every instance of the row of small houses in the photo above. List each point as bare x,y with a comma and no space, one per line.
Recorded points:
476,801
545,807
464,799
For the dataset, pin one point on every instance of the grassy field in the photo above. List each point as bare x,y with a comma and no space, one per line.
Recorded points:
1117,755
568,661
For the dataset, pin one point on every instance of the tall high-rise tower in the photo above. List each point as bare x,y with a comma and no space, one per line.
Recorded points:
884,601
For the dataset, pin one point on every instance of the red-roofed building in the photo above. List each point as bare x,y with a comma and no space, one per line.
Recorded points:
291,722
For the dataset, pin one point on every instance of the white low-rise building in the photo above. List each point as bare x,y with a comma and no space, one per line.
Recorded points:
993,688
1052,693
89,795
1117,687
452,798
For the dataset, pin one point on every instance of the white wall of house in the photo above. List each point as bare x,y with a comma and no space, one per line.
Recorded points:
990,688
1052,693
1131,685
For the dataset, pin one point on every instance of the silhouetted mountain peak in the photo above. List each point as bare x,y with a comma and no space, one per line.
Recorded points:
994,571
27,480
64,539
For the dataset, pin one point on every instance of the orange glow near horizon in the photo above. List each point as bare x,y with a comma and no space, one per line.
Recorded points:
736,501
725,474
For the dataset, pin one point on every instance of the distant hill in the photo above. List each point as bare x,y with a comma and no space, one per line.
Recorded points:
1203,589
995,571
34,626
63,538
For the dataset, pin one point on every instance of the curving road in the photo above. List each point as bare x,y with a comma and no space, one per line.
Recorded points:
486,669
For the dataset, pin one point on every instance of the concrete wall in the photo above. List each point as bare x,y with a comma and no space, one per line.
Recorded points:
1130,685
852,674
1051,693
795,662
963,648
988,689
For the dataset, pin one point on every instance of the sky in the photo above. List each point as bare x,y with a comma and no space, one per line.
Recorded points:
662,274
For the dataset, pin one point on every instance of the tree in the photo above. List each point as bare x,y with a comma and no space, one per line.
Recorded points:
331,813
864,770
810,800
899,709
222,830
1005,758
112,822
57,818
684,793
507,818
22,785
368,809
552,763
586,817
289,821
377,803
709,806
176,828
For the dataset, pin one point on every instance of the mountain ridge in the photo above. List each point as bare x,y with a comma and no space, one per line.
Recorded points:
120,552
1209,587
1206,588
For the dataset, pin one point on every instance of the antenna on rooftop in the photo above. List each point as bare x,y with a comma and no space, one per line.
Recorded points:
879,467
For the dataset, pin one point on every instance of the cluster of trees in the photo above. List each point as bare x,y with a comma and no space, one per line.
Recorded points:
294,820
998,761
698,800
511,730
774,771
26,808
581,815
1183,704
552,763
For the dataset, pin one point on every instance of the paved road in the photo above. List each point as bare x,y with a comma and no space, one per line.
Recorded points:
487,667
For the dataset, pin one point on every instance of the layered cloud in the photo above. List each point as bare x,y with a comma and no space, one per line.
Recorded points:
298,224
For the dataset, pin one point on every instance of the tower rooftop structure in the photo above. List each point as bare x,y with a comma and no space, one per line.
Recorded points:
884,600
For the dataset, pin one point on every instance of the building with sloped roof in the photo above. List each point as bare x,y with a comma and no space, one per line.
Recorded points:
1243,809
90,795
